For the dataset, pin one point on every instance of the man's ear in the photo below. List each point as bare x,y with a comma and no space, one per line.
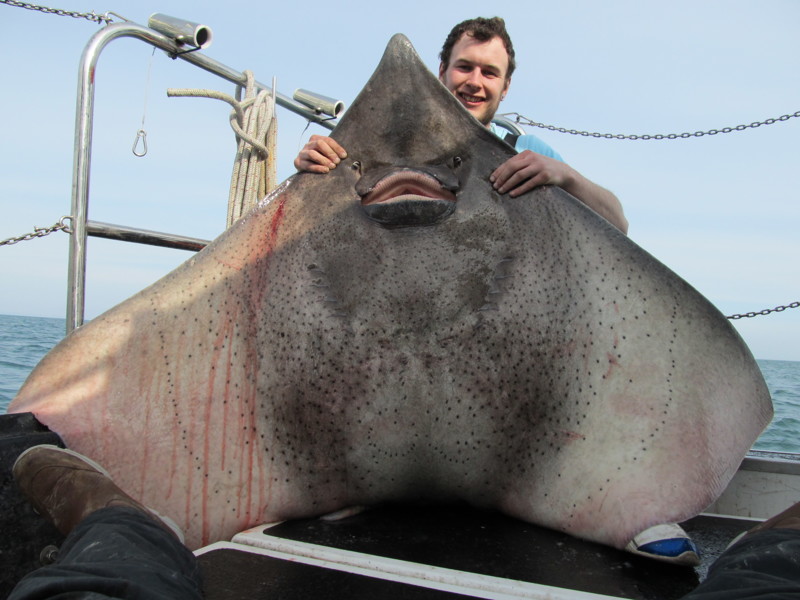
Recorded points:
505,89
442,69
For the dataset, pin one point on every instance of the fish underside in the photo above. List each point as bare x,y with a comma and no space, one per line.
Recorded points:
397,330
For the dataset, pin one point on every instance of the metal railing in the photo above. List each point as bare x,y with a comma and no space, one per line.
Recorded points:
81,226
135,235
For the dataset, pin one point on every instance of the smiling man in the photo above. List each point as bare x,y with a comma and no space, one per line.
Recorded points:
477,61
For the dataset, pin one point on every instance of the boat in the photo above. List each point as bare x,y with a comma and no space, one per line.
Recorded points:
394,551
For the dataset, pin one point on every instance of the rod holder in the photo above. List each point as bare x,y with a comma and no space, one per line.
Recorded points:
181,30
319,103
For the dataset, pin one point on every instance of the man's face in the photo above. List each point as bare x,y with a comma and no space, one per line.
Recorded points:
476,75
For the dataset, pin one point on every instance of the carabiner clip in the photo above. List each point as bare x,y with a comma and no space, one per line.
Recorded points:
140,135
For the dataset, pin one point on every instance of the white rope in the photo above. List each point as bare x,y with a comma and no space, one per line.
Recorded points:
253,120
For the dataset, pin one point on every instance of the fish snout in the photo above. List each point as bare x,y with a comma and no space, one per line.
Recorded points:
408,198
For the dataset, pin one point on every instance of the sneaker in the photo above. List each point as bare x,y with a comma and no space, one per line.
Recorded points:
667,543
65,487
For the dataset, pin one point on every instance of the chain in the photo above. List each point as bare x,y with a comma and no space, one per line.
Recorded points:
92,16
667,136
40,231
766,311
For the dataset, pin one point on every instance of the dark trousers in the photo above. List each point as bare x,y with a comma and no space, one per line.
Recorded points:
116,553
762,566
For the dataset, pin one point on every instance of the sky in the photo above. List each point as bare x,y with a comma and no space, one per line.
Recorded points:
721,211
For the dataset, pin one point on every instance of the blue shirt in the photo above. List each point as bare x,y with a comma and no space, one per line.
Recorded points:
528,142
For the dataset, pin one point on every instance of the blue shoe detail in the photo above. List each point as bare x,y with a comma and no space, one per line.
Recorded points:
667,542
669,548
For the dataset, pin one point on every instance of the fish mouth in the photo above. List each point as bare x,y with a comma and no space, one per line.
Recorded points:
408,198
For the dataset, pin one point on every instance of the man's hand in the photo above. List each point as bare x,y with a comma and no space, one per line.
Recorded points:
319,155
528,170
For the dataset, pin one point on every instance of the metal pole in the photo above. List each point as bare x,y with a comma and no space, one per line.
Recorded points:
217,68
84,118
136,235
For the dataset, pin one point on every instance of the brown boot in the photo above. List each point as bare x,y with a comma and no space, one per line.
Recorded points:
66,487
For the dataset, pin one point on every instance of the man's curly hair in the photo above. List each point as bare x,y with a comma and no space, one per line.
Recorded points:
483,30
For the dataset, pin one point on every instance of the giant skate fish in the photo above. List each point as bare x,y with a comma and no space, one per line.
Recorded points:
396,330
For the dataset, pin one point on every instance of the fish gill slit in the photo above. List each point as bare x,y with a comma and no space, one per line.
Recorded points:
497,285
320,284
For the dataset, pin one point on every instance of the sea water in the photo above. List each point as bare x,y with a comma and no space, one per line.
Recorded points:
25,340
